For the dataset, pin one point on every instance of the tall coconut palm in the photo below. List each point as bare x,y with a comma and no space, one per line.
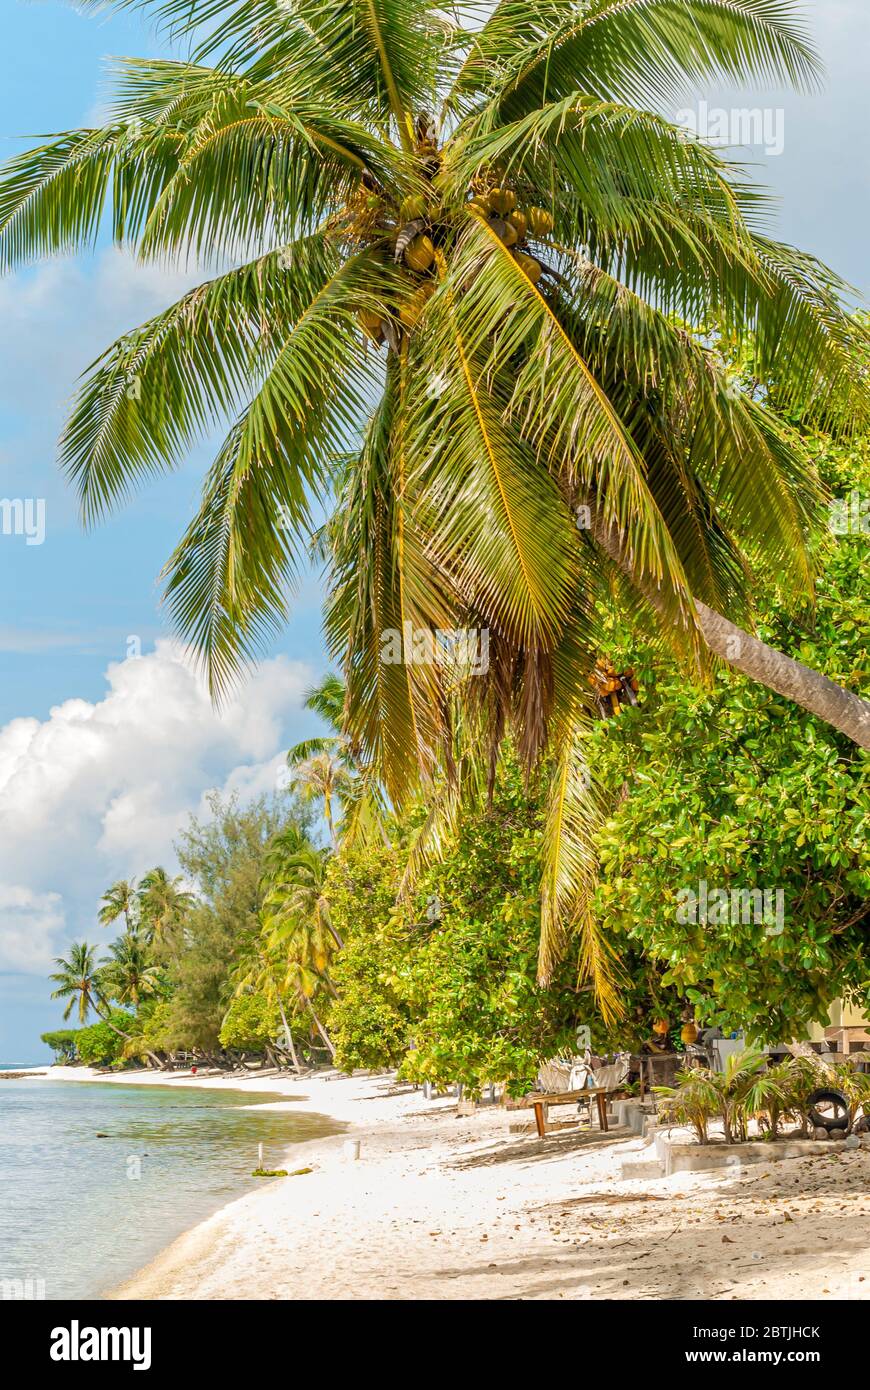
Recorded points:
323,777
295,903
80,982
362,801
492,234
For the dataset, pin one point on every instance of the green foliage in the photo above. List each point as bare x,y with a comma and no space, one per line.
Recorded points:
370,1019
62,1043
251,1023
224,856
100,1045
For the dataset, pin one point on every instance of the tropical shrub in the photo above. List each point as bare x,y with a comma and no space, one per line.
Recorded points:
251,1023
101,1045
749,1089
62,1043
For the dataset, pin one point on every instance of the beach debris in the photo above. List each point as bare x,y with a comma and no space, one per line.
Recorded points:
273,1172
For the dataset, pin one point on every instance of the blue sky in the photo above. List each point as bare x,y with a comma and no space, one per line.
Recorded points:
98,765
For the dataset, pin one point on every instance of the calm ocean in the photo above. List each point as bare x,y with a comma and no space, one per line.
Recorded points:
79,1214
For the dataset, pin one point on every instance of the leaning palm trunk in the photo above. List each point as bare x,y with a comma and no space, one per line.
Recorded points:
805,687
288,1036
99,999
327,1041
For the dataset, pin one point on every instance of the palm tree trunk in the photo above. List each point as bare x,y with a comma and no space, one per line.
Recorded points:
840,708
327,1041
289,1037
327,811
801,684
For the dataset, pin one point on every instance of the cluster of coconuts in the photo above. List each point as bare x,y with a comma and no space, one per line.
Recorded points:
510,223
513,225
418,256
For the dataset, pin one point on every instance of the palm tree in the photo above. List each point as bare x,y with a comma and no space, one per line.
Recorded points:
260,972
129,976
299,978
77,981
322,777
164,904
80,981
361,795
327,700
295,902
539,282
121,900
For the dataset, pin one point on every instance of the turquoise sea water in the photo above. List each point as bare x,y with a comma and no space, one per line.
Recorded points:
79,1214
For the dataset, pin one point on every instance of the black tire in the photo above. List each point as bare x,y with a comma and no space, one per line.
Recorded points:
828,1122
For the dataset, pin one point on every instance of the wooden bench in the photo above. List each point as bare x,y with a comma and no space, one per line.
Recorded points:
539,1100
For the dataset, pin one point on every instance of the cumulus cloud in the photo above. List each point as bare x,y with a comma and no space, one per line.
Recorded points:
98,791
29,927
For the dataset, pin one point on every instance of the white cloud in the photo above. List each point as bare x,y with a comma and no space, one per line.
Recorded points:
98,791
29,926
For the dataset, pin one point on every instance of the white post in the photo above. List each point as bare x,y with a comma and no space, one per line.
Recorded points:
260,1163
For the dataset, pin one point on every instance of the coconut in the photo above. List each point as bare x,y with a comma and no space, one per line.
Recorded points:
412,308
420,253
502,201
370,323
529,266
540,221
520,222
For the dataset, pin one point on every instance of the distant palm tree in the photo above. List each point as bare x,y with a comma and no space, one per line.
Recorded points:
325,778
327,700
363,803
260,972
299,978
77,980
121,900
80,981
164,905
295,901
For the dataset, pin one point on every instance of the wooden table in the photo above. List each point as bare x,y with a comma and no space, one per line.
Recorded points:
539,1099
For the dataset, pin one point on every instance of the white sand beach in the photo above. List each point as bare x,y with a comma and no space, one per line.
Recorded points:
443,1206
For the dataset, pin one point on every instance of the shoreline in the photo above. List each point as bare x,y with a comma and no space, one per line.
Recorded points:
442,1206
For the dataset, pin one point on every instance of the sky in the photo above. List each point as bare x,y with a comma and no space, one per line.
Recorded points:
107,739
